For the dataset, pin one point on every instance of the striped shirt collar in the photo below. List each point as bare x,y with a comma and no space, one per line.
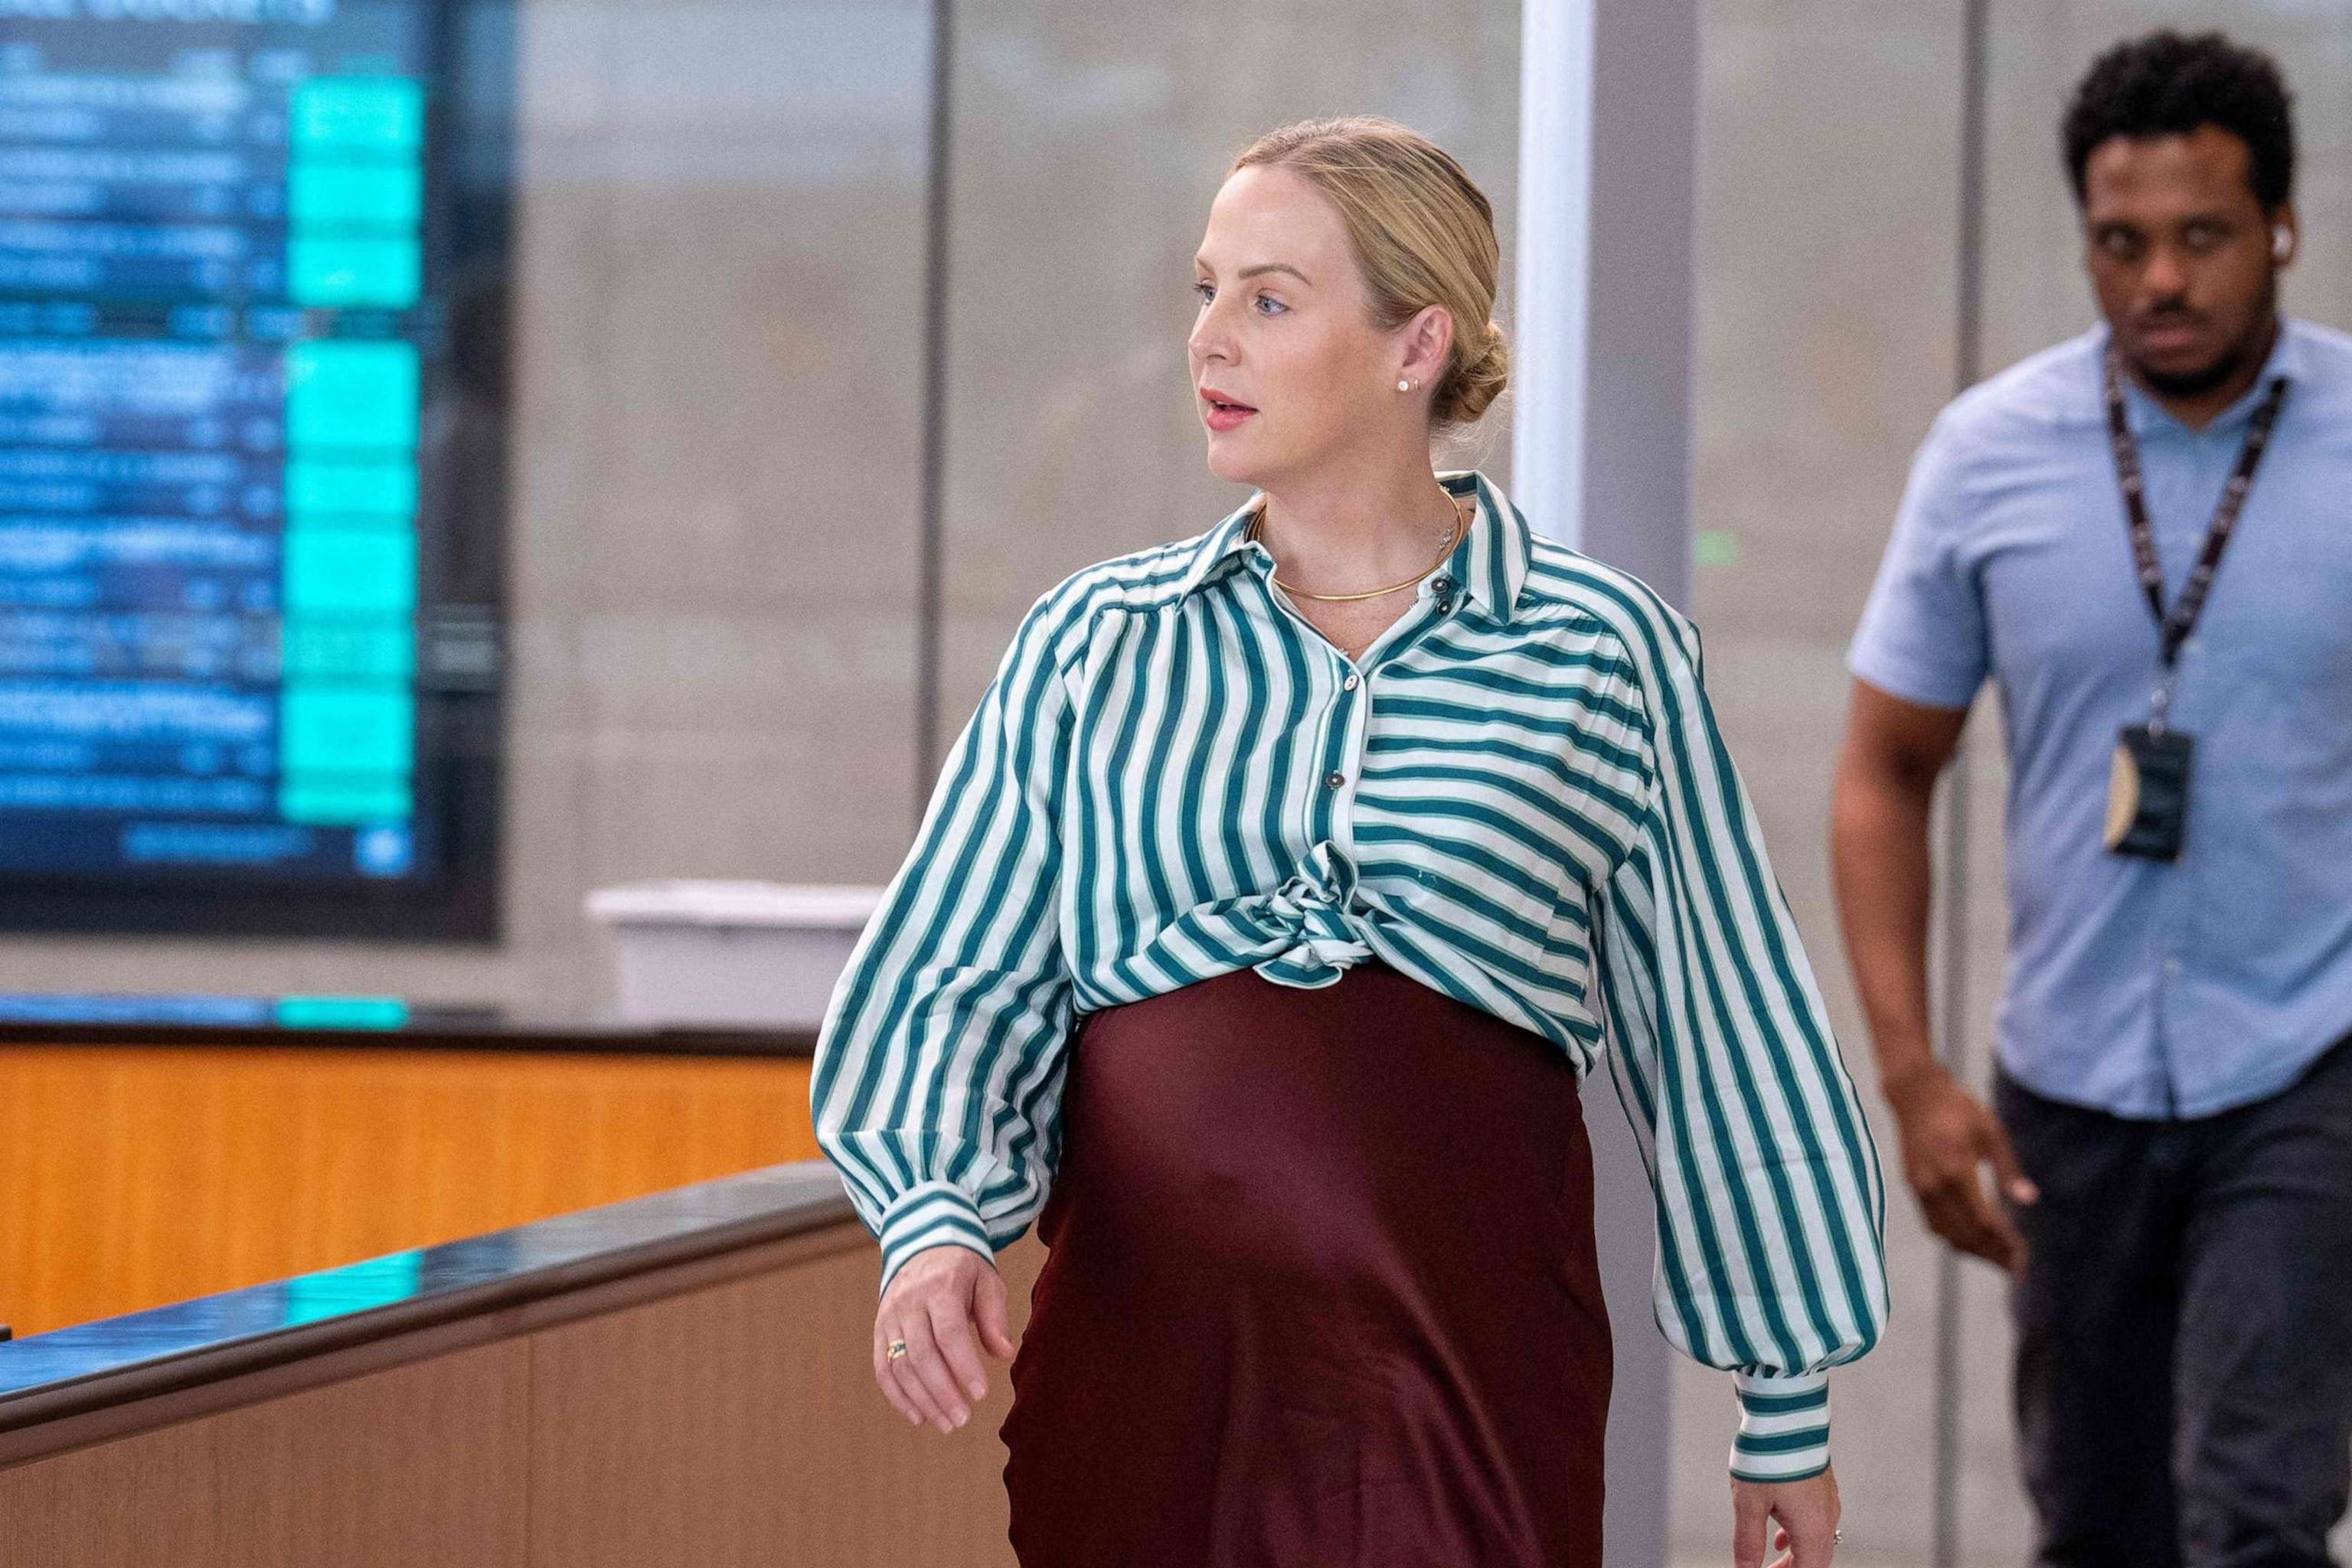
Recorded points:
1490,564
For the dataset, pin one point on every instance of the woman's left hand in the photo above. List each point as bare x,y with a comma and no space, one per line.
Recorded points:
1807,1514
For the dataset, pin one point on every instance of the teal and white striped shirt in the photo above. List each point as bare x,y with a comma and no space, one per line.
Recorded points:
1516,795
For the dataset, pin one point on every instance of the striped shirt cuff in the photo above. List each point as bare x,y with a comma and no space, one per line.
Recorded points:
936,1214
1784,1427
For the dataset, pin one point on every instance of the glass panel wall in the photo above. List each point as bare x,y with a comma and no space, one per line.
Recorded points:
1828,137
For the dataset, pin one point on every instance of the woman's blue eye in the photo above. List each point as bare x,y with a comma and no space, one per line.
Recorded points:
1207,291
1266,299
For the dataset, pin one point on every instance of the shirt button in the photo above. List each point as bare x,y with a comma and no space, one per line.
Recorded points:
1349,684
1441,586
1333,780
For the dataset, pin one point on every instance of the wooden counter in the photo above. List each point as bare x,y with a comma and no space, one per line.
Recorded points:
681,1379
138,1175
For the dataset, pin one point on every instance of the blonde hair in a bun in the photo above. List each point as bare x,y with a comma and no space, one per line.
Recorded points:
1424,235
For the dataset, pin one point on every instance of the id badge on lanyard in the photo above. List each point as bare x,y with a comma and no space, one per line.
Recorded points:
2147,783
2148,792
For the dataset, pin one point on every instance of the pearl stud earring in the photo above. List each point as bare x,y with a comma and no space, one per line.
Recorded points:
1404,387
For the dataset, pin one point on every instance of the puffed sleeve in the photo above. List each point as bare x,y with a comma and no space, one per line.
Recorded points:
1770,1201
938,1080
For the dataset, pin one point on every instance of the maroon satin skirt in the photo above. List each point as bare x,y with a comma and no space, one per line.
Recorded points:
1320,1292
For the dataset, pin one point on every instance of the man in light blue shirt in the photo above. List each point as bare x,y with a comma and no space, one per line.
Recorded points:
2173,1141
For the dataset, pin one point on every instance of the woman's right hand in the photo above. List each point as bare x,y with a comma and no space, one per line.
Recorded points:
935,1302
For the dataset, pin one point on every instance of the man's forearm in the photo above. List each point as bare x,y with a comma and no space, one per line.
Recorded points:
1884,880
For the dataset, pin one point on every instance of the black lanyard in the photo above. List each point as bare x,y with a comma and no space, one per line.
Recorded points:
2174,625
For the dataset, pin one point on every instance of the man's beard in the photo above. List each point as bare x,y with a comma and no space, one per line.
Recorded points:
2196,383
2231,362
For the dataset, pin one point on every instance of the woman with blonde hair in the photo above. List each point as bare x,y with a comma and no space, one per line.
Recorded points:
1267,918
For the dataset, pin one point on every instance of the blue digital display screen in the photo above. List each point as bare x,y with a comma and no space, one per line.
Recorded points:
251,371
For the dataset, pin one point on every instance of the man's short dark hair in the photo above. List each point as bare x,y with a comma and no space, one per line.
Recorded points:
2169,84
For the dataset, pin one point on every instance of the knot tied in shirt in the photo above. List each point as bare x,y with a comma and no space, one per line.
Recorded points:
1303,934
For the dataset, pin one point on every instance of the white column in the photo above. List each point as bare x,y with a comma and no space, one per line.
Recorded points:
1555,201
1608,123
1600,459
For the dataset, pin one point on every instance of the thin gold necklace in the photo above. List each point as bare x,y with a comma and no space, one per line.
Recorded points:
1461,527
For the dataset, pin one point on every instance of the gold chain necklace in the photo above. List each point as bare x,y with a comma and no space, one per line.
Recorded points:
1461,527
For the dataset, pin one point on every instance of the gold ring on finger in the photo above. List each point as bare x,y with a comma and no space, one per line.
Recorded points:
894,1350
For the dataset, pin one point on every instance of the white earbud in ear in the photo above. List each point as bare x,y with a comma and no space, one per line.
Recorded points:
2281,242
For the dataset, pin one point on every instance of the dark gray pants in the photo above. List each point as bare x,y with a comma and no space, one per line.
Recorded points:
2184,1363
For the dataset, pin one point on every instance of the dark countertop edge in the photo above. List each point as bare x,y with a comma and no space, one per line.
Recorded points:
815,1201
575,1040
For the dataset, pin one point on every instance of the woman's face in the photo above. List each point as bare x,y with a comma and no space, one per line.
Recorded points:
1291,373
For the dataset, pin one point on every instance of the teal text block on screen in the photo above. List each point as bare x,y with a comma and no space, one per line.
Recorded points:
345,194
354,728
384,273
349,572
351,395
367,648
345,799
382,115
370,489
